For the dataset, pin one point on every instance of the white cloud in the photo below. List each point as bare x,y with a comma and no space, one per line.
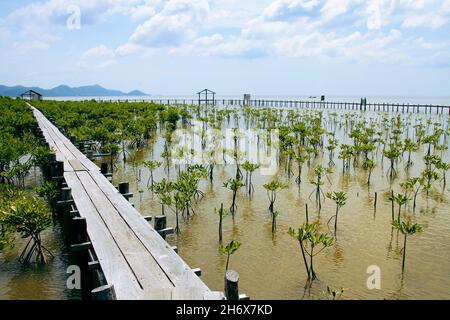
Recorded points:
128,48
282,9
379,13
98,57
175,24
100,51
434,20
333,8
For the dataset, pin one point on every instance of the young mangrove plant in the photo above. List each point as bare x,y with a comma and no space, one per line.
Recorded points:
339,198
429,174
392,154
444,167
50,191
410,146
249,169
407,228
320,172
312,242
333,294
163,191
370,165
401,200
27,216
234,185
272,189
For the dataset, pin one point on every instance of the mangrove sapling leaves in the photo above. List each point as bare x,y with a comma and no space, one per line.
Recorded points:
340,199
401,200
370,165
151,165
28,217
249,168
272,189
333,294
310,239
234,185
320,172
163,191
50,191
407,228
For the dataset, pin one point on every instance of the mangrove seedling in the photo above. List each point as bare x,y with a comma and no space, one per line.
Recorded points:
444,167
229,249
332,294
234,185
410,146
392,154
370,165
310,239
50,191
151,165
412,185
401,200
28,217
272,189
163,191
407,228
339,198
249,169
320,171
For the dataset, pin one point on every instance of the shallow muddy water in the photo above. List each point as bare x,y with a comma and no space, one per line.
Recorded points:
271,266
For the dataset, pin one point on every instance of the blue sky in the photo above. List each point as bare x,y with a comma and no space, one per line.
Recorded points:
272,47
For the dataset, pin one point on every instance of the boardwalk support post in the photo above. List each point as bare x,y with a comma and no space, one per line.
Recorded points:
124,189
198,272
64,205
161,226
104,170
81,252
57,171
231,285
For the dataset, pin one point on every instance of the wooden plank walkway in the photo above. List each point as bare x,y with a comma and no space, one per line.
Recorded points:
133,257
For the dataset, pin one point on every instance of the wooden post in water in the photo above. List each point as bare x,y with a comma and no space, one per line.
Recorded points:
392,205
161,226
231,285
81,252
375,202
64,208
124,189
79,230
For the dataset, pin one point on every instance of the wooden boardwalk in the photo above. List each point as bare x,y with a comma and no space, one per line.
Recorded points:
132,255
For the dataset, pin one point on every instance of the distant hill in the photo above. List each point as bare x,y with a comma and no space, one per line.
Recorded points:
66,91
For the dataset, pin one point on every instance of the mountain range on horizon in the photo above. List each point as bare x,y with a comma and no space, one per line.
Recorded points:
66,91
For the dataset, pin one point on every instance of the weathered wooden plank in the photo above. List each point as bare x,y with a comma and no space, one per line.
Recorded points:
189,293
144,266
77,165
114,266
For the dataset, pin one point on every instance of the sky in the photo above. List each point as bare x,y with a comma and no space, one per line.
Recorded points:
263,47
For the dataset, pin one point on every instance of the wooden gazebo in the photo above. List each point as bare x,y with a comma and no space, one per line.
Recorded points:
204,98
31,95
